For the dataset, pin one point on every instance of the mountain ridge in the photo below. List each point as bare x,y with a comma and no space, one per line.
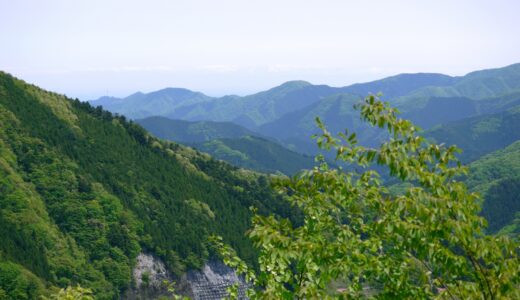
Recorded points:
83,192
230,142
408,91
186,132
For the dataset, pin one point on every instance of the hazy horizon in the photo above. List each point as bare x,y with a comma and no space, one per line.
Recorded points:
98,48
278,84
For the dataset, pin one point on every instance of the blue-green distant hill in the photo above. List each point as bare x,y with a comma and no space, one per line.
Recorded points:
230,142
188,132
480,135
286,113
140,105
260,108
257,153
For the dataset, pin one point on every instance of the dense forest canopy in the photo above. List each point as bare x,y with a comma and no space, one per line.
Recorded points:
83,191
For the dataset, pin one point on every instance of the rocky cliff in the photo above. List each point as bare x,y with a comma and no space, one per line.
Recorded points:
151,280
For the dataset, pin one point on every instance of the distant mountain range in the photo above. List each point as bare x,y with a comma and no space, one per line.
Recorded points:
83,191
260,108
160,103
479,112
287,112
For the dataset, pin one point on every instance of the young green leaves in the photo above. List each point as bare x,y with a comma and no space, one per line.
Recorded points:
425,242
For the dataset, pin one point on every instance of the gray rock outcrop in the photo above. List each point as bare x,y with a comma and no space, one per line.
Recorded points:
212,281
209,283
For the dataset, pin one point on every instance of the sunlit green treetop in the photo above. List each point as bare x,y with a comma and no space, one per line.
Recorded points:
357,240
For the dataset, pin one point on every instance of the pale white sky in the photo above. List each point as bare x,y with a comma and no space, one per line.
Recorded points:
88,49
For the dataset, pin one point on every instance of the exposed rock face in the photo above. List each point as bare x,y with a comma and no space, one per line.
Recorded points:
148,274
149,271
207,284
212,282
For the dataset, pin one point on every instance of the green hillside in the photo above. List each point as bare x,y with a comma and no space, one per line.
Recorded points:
496,177
259,108
423,108
192,132
480,135
82,192
230,142
140,105
265,107
294,130
476,85
400,85
258,154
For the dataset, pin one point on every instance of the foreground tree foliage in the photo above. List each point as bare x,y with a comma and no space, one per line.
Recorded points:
359,241
72,293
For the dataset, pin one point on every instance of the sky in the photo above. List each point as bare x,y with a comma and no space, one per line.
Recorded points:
88,49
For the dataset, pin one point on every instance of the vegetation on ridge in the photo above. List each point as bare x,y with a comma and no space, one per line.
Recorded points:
82,192
258,154
427,242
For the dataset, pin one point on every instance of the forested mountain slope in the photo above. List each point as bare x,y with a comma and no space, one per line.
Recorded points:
83,192
192,132
480,135
496,177
230,142
294,129
140,105
476,85
257,153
